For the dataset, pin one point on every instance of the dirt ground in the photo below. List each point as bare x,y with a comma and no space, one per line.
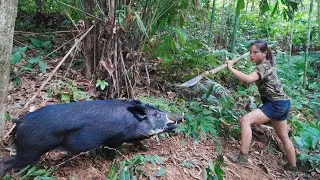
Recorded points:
174,151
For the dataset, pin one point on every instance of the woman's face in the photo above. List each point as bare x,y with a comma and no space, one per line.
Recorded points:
256,55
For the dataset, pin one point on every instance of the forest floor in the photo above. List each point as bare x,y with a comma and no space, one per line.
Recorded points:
176,151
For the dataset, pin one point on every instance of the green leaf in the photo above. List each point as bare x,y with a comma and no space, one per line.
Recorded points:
205,174
209,91
275,9
264,6
7,116
19,49
65,97
102,84
43,66
23,170
113,172
16,58
38,172
125,174
34,60
16,81
218,171
44,178
36,42
140,24
161,172
211,166
7,178
182,35
46,44
30,171
240,6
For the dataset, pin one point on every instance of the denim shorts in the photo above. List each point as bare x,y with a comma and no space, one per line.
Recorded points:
276,109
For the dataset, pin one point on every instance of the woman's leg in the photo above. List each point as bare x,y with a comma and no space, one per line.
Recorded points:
254,117
281,129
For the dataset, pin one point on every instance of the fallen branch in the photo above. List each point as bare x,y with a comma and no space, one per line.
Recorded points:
46,81
62,46
45,33
230,170
74,24
80,154
79,10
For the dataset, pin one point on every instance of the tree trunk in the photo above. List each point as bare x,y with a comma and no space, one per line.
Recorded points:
252,6
212,20
223,21
88,43
291,37
238,9
291,16
8,13
307,46
319,19
247,4
234,33
112,6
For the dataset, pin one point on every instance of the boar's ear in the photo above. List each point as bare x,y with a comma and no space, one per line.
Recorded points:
135,101
138,111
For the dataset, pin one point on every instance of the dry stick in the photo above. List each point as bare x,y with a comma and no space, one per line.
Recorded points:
115,56
52,32
101,11
79,10
80,154
127,77
47,80
63,45
69,67
74,24
95,42
125,71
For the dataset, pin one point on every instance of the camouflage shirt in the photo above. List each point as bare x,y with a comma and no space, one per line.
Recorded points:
269,86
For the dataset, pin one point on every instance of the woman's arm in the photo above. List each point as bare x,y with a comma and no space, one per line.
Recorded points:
245,78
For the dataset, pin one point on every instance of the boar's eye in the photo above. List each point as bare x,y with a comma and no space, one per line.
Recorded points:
157,114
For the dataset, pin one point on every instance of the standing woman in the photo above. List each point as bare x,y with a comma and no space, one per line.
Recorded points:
276,103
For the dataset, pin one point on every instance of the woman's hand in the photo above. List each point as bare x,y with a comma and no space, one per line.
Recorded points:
229,63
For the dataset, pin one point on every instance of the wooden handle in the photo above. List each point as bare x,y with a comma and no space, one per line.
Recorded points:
219,68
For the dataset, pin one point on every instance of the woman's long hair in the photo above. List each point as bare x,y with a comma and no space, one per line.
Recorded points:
263,47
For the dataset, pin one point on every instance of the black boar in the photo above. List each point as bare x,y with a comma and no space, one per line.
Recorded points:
82,126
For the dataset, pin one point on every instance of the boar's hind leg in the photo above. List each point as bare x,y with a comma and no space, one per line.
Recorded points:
23,159
17,161
30,148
